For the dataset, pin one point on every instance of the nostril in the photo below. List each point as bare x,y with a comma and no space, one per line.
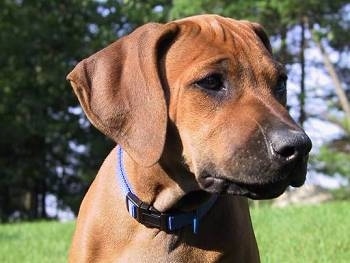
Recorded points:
289,144
287,152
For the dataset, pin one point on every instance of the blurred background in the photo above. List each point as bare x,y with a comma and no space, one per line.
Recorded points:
49,153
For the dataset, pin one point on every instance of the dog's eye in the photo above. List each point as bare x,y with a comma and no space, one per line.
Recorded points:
212,82
280,90
281,87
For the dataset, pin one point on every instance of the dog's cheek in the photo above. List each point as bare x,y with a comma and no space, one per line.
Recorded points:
215,133
201,141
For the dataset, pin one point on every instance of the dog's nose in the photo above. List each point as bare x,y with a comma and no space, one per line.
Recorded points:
290,144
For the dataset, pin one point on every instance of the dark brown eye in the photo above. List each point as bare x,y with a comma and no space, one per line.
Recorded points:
280,90
281,87
212,82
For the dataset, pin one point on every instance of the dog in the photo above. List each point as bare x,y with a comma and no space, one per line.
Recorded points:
197,108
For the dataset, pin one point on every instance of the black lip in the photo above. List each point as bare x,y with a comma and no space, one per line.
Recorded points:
254,191
270,185
266,191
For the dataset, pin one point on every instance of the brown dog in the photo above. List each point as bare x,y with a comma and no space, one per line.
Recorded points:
198,106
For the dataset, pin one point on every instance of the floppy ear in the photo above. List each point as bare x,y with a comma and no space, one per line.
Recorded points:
120,91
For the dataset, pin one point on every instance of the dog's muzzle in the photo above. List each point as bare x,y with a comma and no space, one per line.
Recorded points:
265,170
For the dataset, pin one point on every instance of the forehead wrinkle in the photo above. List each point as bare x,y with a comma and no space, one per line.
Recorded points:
211,28
189,28
226,31
249,39
218,28
232,36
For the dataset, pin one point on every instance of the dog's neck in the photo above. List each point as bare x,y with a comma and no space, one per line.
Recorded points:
165,188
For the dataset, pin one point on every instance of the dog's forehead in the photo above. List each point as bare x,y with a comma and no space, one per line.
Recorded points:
205,36
208,38
213,28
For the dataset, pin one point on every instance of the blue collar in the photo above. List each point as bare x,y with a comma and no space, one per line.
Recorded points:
149,216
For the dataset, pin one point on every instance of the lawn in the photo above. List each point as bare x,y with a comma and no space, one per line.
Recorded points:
303,234
41,242
294,234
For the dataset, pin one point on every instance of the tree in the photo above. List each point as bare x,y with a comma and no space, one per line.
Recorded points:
36,125
46,144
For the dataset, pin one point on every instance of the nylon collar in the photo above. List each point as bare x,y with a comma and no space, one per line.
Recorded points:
151,217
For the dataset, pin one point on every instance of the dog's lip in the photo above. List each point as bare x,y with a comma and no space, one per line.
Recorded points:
266,191
293,174
255,191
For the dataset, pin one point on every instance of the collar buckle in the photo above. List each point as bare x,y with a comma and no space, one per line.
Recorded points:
146,214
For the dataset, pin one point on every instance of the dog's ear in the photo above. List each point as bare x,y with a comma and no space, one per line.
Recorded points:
120,91
260,32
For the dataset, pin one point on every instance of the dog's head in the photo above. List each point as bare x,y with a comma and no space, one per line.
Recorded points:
210,82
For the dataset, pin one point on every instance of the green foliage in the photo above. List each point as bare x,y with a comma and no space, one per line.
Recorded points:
141,12
239,9
333,161
341,193
40,43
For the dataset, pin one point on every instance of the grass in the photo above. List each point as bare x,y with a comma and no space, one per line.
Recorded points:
303,234
288,235
40,242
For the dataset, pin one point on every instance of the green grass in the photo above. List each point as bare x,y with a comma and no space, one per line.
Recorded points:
285,235
303,234
41,242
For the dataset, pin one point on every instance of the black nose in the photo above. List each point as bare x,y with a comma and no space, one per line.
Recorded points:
290,144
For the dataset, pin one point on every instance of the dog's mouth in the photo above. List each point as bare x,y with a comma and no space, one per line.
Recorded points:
263,190
265,181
